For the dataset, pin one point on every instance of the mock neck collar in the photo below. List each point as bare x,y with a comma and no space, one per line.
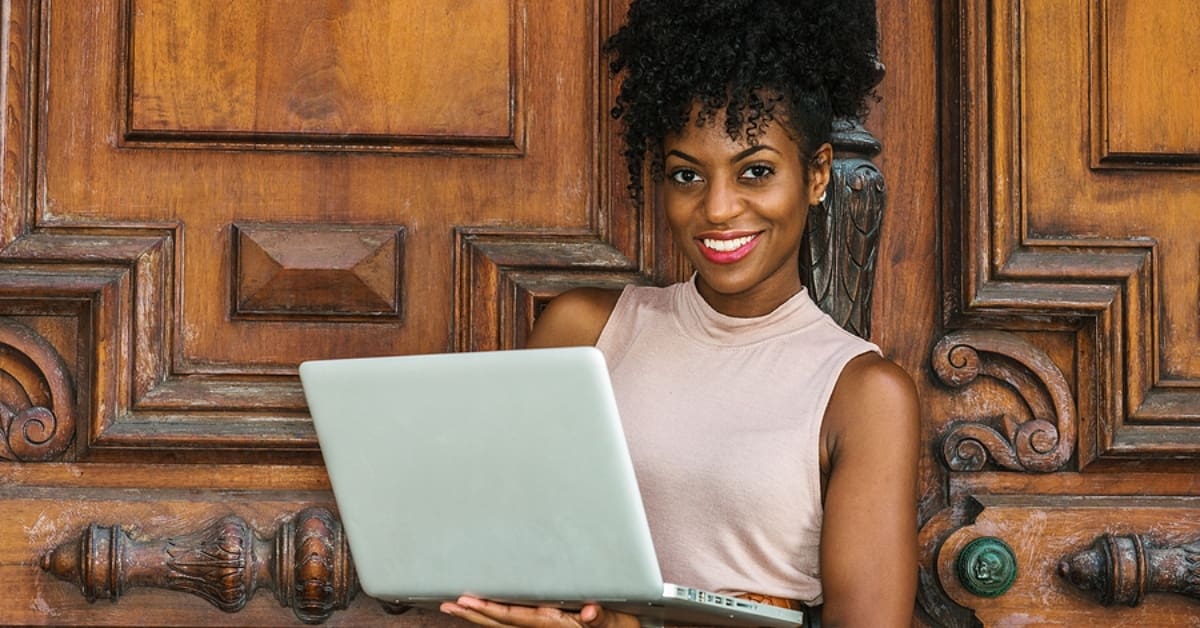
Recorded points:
701,321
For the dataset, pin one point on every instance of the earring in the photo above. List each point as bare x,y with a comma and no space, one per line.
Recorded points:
822,199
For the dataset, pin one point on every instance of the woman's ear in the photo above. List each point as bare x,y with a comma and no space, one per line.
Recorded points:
819,171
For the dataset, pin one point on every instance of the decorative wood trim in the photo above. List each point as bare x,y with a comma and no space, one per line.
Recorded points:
1123,569
1042,444
19,76
997,275
837,260
118,286
305,563
317,272
38,422
504,277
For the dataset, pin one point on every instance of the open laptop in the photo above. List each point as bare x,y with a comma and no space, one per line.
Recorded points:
503,475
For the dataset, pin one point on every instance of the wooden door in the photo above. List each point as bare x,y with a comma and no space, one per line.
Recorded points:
199,195
195,196
1062,381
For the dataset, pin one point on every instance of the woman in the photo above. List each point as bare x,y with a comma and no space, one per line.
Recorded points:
803,435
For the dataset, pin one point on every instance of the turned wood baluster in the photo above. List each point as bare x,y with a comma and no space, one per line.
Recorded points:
306,564
1123,569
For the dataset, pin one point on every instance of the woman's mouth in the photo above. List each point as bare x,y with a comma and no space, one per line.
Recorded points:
727,250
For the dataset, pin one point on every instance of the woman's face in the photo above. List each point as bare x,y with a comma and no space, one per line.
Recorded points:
738,211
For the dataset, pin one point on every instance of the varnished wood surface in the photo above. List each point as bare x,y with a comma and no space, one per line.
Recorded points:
1013,206
352,69
1086,256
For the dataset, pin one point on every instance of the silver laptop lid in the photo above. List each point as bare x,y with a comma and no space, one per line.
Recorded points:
501,474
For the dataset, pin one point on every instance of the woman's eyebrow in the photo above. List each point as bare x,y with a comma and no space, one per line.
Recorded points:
736,158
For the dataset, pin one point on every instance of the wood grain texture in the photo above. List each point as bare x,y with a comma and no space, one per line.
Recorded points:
1093,270
354,74
1142,113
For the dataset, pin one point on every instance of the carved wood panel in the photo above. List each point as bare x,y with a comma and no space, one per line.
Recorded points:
198,196
267,185
1037,271
1065,409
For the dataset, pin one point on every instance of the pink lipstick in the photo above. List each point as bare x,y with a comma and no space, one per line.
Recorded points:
727,248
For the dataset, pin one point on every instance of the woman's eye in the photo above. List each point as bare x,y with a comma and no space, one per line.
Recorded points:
685,176
757,171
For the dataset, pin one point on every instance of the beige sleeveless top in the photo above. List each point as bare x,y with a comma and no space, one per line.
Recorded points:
723,417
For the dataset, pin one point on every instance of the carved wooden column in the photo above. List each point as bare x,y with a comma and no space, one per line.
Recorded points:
306,564
837,257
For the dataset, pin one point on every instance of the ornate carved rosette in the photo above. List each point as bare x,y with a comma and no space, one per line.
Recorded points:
307,564
1123,569
37,400
1045,442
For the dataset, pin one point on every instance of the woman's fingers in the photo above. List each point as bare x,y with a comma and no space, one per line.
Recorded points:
464,613
594,616
487,613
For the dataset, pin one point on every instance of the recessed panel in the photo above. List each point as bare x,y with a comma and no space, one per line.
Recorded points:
352,72
1150,81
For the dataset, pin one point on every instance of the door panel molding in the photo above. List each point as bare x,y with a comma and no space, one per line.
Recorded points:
317,272
343,93
1138,120
1001,274
504,278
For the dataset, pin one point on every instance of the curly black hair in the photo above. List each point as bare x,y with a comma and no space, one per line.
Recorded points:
804,61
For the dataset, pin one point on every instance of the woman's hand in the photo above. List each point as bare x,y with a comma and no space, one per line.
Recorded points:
486,613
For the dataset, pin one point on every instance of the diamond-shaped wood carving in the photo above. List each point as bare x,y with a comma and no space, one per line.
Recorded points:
322,271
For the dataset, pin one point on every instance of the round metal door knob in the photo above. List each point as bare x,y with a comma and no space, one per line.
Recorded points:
987,566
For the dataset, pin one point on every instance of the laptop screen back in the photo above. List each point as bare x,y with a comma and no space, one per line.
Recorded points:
500,474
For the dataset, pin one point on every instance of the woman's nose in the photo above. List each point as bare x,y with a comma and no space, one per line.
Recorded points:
721,204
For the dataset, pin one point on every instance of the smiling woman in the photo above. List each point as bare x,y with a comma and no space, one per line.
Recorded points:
803,435
738,212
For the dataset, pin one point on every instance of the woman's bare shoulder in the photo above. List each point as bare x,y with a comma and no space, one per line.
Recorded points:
573,318
874,399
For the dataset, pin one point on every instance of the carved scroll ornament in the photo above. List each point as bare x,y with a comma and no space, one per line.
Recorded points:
306,564
37,400
1123,569
1045,442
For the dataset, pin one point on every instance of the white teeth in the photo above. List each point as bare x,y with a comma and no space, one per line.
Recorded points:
727,245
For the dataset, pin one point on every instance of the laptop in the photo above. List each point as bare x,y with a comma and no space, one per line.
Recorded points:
501,474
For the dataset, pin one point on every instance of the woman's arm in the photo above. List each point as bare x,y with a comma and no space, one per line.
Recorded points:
870,440
574,318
